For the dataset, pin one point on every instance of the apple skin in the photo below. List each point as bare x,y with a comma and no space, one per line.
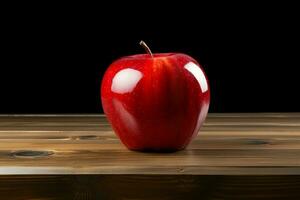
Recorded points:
155,103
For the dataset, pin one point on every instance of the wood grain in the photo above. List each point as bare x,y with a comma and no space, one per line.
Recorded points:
228,144
235,156
149,187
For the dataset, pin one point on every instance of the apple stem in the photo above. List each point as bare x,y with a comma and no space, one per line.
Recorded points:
143,44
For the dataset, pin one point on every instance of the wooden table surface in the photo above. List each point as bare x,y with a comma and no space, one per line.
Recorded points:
235,156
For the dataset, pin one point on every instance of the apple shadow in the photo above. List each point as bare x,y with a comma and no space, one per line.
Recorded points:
150,150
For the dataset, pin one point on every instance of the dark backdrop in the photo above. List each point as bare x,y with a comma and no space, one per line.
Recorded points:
53,56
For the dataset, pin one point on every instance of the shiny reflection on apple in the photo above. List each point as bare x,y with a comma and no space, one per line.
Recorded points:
201,118
125,80
127,119
198,74
200,77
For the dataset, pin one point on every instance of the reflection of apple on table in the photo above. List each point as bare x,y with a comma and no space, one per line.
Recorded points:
155,102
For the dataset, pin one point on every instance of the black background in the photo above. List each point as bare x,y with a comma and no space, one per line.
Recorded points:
54,56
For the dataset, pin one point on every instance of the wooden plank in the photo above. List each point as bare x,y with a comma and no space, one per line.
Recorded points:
166,187
228,144
235,156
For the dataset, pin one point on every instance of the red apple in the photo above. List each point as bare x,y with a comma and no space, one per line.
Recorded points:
155,102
